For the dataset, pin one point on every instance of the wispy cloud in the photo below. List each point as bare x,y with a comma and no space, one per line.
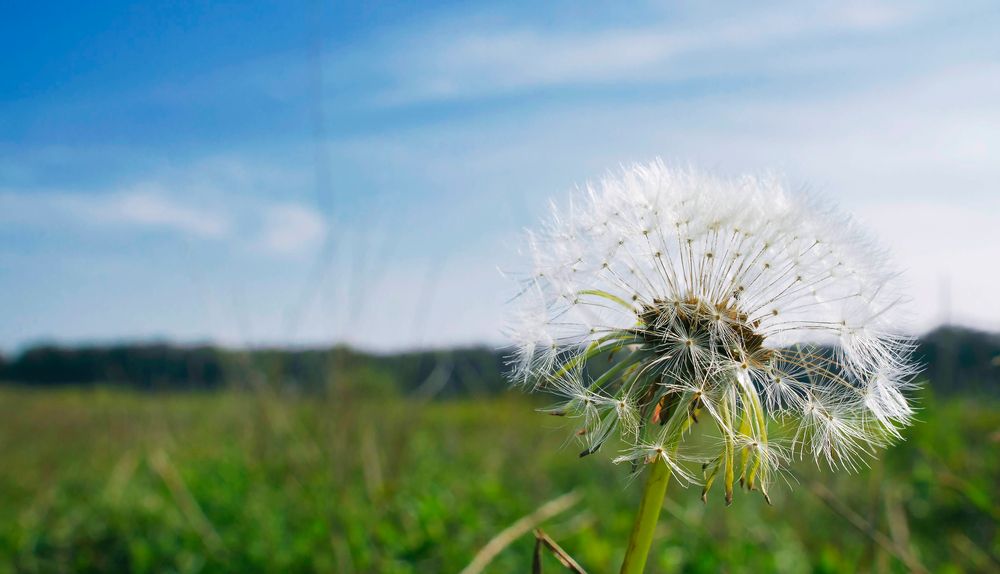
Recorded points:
279,228
138,208
154,209
456,60
291,229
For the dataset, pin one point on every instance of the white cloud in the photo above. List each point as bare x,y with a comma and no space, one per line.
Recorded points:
138,208
157,210
277,228
291,229
455,60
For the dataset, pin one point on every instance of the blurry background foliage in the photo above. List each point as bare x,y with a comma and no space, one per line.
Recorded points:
156,458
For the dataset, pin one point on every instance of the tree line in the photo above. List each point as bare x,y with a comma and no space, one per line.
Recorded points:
954,359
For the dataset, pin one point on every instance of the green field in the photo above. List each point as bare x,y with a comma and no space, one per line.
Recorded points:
114,481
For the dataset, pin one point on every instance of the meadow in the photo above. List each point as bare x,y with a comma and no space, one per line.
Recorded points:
106,480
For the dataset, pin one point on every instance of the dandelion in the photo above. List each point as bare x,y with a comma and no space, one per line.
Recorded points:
697,317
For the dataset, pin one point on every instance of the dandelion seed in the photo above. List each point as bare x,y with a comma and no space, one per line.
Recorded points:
656,453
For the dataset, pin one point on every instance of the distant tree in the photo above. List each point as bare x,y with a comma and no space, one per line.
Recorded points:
955,360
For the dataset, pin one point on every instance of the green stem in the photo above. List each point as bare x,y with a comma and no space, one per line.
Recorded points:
645,521
730,447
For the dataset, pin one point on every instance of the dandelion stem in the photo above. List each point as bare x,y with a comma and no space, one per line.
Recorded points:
730,455
645,520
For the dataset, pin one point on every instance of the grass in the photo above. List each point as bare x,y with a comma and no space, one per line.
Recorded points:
111,481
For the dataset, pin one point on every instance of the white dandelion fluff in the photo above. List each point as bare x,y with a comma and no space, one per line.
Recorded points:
728,302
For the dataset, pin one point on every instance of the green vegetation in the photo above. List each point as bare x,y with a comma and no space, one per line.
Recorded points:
111,480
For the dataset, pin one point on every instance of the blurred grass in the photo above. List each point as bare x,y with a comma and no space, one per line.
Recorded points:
111,481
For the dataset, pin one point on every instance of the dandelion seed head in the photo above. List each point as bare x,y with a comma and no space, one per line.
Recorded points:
730,301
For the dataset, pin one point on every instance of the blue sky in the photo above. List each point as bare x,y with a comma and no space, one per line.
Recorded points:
254,173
